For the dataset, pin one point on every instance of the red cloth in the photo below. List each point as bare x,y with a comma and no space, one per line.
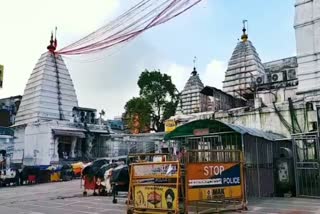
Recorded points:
32,178
89,184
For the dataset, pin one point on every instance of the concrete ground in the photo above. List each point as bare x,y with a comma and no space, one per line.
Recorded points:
55,198
66,198
284,206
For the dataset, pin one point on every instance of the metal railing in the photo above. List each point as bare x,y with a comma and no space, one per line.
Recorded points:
221,156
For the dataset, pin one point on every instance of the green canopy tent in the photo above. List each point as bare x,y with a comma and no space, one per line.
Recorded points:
215,127
259,148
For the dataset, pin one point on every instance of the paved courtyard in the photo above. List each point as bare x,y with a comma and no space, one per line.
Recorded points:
55,198
66,198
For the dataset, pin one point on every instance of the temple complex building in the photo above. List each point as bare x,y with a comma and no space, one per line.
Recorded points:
281,96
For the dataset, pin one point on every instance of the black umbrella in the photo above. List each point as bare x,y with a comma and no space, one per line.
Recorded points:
104,168
93,168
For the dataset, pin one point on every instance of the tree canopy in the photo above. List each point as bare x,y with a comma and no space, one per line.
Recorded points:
138,114
158,96
161,94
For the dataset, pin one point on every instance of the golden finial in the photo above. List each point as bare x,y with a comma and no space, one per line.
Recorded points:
244,36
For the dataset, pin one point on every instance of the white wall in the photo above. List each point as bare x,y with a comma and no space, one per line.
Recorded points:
19,133
279,95
307,29
267,119
38,141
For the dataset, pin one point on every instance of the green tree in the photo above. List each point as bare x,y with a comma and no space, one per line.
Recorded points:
169,109
161,94
138,114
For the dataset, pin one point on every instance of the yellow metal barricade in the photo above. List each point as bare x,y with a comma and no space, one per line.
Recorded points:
155,187
215,180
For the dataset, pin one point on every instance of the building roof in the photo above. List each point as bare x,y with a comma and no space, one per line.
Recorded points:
254,132
18,97
212,91
155,134
84,109
216,126
69,132
49,93
116,124
224,101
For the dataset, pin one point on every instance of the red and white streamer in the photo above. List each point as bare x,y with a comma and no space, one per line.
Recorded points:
141,17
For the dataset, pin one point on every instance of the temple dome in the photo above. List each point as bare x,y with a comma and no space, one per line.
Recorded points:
244,65
49,93
191,99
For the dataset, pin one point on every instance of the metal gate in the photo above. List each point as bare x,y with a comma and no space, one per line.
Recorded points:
307,164
212,142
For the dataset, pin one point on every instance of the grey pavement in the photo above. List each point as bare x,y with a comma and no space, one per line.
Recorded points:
66,198
56,198
284,206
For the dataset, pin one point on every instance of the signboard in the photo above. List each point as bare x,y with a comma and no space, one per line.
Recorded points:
159,158
199,132
155,169
214,180
1,76
162,197
169,126
155,187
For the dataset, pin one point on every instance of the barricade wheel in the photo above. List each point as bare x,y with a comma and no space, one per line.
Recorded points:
85,193
245,208
114,201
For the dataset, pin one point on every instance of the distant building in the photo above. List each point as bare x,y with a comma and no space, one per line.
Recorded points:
124,144
116,125
8,110
6,140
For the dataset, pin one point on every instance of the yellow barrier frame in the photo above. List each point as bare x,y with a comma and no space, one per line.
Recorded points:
137,177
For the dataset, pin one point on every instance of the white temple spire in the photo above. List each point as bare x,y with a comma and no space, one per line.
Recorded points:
244,65
49,93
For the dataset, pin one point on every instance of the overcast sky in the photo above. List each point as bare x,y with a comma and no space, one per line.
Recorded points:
107,80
